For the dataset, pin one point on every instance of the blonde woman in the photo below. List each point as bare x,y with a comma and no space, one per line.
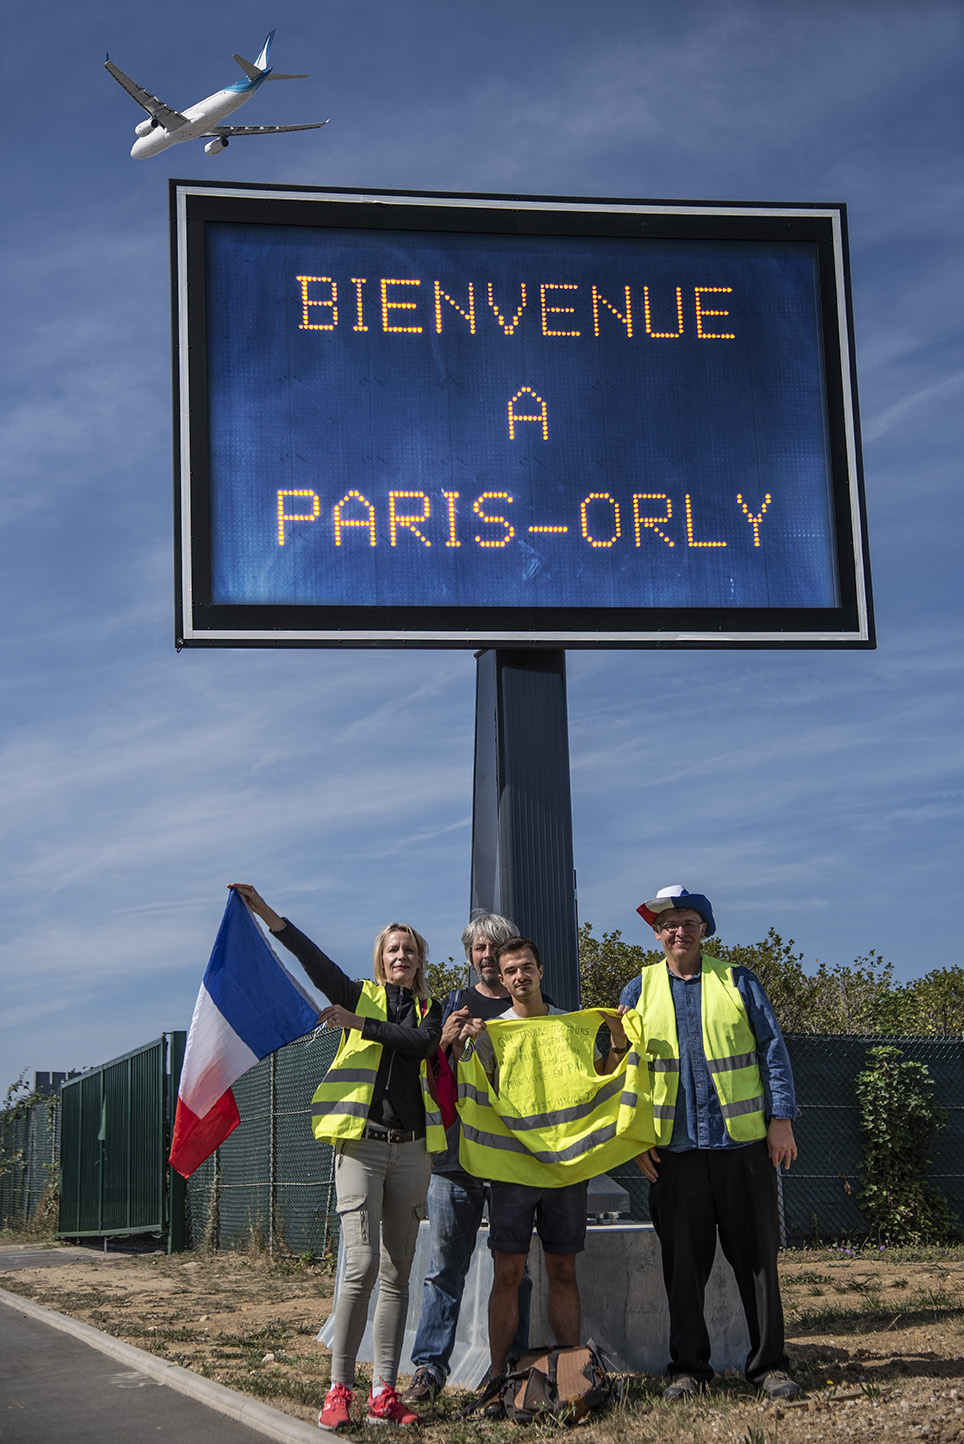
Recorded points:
376,1108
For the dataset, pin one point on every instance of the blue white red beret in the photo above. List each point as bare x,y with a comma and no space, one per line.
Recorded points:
676,896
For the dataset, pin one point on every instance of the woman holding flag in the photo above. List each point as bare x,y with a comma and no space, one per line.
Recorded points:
375,1106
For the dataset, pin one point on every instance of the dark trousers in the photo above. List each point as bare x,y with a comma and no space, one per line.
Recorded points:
731,1192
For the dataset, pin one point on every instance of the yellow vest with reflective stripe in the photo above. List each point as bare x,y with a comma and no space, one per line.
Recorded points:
343,1099
728,1044
554,1120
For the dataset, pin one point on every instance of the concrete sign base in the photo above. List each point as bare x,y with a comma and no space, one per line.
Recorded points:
623,1305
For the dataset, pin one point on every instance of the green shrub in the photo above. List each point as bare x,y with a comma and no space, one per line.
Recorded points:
898,1122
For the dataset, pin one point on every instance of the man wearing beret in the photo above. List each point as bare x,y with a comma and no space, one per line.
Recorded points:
724,1104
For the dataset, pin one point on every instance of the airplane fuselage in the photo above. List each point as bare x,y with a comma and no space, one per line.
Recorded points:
201,118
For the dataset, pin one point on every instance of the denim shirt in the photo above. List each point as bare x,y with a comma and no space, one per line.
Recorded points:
699,1119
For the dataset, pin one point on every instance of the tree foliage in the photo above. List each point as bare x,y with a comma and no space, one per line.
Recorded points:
780,970
18,1122
607,964
898,1122
933,1006
859,998
15,1109
442,978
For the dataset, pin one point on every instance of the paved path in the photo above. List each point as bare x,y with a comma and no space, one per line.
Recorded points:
35,1256
63,1382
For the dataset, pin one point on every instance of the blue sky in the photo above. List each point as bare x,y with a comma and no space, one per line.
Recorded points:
817,792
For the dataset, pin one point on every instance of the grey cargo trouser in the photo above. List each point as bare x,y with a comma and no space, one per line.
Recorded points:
381,1189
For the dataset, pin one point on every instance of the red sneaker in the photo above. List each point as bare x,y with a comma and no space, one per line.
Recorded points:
336,1411
387,1408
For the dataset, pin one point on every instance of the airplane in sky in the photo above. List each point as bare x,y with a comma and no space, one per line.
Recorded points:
169,127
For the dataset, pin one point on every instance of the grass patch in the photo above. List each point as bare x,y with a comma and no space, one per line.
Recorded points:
758,1436
866,1251
162,1334
926,1306
41,1235
66,1303
270,1385
220,1314
858,1284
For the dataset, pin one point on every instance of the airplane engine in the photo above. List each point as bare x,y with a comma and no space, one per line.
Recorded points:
146,126
213,146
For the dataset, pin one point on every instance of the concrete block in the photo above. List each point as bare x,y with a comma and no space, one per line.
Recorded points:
623,1305
606,1199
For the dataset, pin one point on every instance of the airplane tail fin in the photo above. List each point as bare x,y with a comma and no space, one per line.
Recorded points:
257,70
262,60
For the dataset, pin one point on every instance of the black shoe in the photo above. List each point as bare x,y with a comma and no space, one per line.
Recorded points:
424,1389
779,1385
683,1386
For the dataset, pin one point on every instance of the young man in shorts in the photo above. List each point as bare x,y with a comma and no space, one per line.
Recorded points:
559,1213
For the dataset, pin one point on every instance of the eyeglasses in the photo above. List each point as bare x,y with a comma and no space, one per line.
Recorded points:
680,927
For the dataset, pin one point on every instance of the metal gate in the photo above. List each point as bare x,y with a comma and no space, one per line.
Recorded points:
114,1132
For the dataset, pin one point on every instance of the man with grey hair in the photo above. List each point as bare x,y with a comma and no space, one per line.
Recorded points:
456,1199
724,1101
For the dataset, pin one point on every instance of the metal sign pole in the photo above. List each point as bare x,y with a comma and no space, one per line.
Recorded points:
522,862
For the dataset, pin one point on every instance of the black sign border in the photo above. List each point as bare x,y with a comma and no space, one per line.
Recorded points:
199,623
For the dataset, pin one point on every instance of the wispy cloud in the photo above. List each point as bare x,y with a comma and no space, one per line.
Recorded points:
913,407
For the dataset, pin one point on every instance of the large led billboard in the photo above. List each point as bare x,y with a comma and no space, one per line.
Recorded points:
448,420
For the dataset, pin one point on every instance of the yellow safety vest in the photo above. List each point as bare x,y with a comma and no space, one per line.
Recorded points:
728,1043
554,1120
344,1097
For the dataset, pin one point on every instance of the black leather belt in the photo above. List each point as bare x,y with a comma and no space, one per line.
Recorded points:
391,1135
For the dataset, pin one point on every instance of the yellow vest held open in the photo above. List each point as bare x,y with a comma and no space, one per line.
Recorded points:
554,1120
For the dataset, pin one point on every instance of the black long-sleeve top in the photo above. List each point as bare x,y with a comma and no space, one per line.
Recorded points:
405,1039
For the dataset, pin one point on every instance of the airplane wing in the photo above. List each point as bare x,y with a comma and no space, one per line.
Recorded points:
163,114
230,131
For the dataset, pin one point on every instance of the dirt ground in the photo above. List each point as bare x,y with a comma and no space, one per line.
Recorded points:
877,1343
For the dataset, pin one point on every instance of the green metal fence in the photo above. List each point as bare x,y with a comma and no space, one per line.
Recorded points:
114,1139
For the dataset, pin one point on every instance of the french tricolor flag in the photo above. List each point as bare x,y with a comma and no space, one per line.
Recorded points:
249,1006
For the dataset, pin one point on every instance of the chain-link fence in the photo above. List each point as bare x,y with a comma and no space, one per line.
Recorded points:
271,1185
28,1162
819,1193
